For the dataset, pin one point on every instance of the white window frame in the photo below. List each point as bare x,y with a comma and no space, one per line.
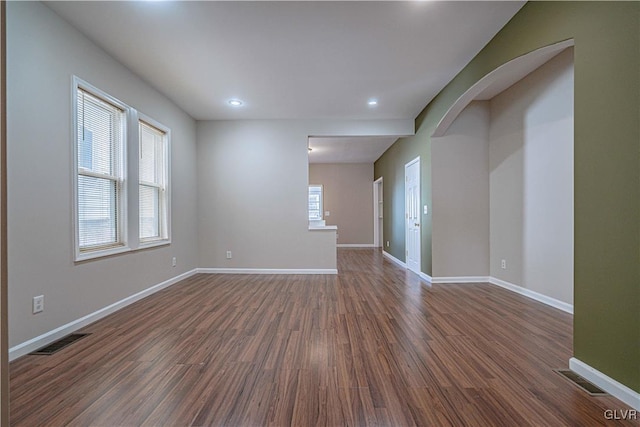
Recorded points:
122,226
128,208
165,187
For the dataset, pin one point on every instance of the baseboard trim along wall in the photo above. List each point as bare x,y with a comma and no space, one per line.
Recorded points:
355,245
462,279
608,384
267,270
393,259
426,277
560,305
64,330
51,336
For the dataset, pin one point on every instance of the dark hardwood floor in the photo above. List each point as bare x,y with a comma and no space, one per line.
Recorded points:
372,346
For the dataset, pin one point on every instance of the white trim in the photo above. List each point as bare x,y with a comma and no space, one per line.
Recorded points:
560,305
416,160
128,178
394,259
123,242
267,270
166,215
426,277
608,384
355,245
55,334
462,279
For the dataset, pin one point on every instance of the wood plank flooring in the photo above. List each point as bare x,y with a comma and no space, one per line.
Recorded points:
373,346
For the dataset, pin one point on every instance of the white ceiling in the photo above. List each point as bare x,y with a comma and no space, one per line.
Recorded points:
293,60
354,149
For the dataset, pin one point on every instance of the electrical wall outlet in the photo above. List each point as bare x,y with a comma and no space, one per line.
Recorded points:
503,264
228,254
387,243
38,304
174,261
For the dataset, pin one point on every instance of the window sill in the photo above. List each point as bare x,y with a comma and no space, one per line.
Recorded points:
153,243
322,227
85,256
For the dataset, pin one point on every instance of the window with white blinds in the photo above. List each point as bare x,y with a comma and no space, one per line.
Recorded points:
315,202
121,163
152,186
100,143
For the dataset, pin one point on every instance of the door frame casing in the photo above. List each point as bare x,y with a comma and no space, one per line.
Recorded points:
4,328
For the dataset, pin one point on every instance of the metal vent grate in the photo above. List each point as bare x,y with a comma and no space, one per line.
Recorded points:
59,345
590,388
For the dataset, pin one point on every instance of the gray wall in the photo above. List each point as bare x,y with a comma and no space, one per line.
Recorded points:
253,178
503,186
531,181
253,198
460,176
43,53
348,196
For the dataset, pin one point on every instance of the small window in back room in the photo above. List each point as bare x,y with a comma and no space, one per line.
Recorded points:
315,202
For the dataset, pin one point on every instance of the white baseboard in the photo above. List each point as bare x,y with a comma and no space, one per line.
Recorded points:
394,259
560,305
462,279
355,245
64,330
608,384
267,270
426,277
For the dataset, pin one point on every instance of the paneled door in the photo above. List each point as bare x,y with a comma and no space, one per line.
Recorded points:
412,214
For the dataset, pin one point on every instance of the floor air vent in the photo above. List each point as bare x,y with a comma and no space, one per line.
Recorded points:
59,345
590,388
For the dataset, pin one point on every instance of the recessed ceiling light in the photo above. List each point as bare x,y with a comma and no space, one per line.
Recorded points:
235,102
372,102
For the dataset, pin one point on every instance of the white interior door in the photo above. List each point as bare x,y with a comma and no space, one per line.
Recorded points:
412,214
377,213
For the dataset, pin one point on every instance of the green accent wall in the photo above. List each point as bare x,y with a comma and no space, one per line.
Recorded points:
607,167
391,167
